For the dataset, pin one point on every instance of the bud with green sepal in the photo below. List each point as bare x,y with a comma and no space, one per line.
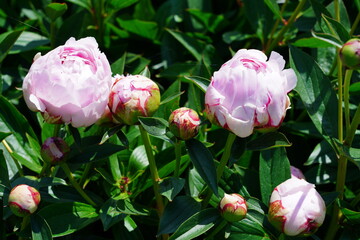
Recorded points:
350,54
233,207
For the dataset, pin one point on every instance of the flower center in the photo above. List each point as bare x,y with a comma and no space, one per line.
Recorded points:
253,64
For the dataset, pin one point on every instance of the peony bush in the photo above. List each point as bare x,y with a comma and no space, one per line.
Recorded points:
179,120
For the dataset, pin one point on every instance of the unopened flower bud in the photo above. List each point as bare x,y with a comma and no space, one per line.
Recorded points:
54,150
297,173
24,200
184,123
133,96
350,54
233,207
296,208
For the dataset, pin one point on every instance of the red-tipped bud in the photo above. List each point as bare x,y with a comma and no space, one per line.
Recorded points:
133,96
54,150
233,207
184,123
24,200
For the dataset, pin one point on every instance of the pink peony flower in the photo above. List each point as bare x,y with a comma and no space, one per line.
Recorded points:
184,123
250,92
54,150
133,96
24,200
296,208
69,84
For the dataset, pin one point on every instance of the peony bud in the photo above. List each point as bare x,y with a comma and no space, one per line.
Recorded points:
54,150
249,92
233,207
297,173
296,208
24,200
133,96
184,123
350,54
69,84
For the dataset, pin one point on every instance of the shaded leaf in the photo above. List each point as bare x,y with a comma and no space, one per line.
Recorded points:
170,187
40,229
203,161
268,141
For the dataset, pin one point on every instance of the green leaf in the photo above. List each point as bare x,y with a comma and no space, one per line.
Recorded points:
55,10
274,7
109,133
154,126
315,92
176,212
197,224
165,110
40,229
94,152
4,174
274,168
323,153
201,82
268,141
170,187
115,210
11,120
203,162
328,38
337,29
28,41
146,72
191,44
109,214
7,40
138,160
3,135
254,225
119,65
172,97
312,42
355,88
351,216
121,4
144,29
66,218
213,22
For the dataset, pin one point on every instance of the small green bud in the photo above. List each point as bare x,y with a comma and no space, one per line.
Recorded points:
350,54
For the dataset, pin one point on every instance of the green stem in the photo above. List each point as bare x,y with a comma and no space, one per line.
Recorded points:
276,24
340,100
8,148
353,126
348,74
153,169
354,26
177,157
44,169
85,174
337,10
225,156
75,184
217,229
221,167
24,223
286,27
